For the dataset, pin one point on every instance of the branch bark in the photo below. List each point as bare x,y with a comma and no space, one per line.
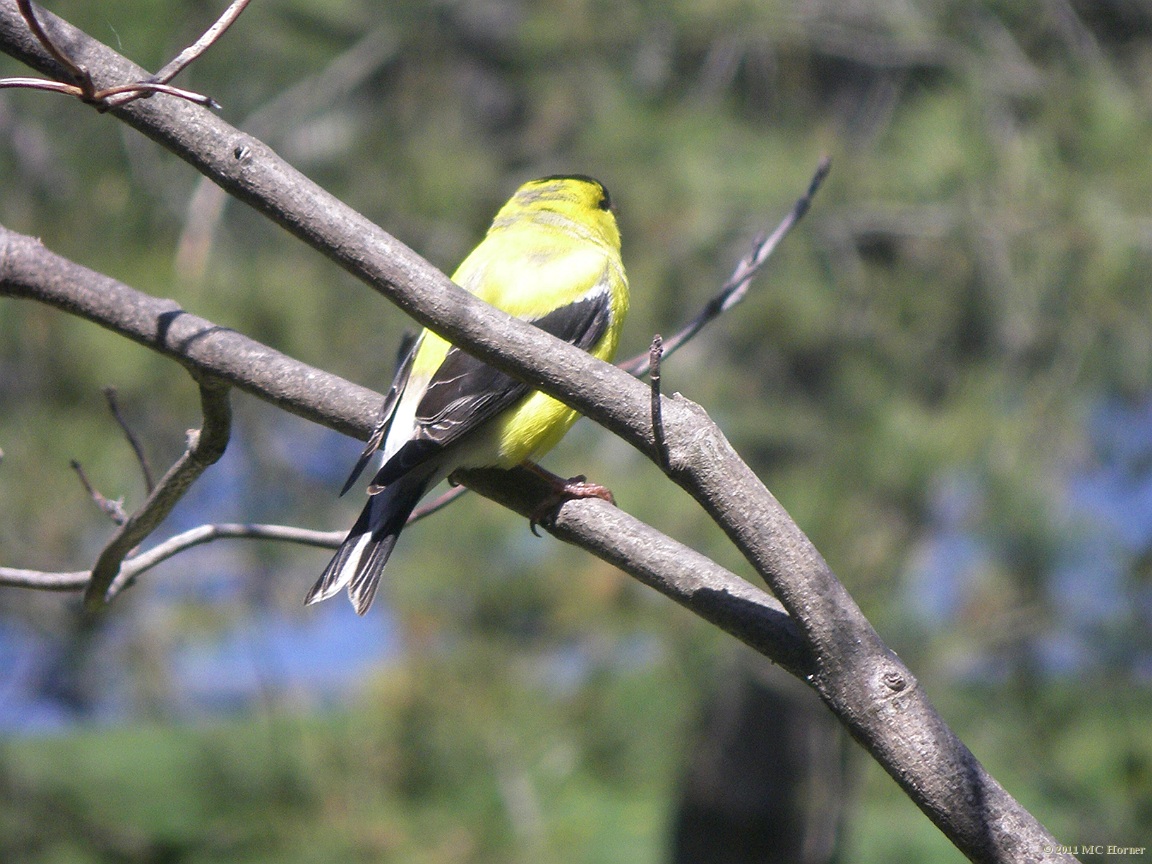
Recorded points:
205,446
30,271
134,565
862,681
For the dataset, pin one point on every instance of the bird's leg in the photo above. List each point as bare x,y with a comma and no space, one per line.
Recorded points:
562,490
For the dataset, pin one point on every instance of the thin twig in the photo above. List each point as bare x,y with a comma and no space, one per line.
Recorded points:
133,441
142,89
78,73
84,89
177,64
114,509
42,84
41,580
204,447
434,506
437,504
99,98
135,565
738,283
654,355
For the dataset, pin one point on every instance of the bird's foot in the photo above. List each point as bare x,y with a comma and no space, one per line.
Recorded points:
562,491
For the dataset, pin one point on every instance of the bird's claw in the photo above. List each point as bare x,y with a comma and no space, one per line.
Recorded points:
564,491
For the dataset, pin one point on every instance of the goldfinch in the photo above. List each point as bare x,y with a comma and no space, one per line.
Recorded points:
551,257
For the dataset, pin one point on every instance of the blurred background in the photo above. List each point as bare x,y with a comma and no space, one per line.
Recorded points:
945,375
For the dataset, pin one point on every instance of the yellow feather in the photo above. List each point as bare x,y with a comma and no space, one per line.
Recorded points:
551,245
554,244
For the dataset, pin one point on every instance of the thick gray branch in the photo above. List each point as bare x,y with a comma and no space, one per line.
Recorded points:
676,571
251,171
29,270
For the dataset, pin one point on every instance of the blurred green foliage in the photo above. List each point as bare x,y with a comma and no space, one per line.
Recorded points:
926,354
430,769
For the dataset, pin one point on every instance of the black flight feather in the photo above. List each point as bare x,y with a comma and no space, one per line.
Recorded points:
466,392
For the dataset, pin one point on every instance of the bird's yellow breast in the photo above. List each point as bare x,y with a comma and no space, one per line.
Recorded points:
547,248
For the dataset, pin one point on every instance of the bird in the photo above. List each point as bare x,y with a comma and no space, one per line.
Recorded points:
552,258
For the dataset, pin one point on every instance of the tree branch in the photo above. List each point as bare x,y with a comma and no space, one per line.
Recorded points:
134,565
81,85
860,679
130,437
205,447
29,270
210,36
675,570
735,289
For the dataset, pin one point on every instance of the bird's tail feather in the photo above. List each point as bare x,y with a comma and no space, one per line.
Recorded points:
360,559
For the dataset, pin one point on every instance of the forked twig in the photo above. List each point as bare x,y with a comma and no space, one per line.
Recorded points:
115,508
82,86
134,565
315,94
104,99
98,98
205,446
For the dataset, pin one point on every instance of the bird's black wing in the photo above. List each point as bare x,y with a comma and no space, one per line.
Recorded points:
465,392
406,356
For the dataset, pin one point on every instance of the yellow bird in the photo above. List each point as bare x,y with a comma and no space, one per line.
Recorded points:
552,258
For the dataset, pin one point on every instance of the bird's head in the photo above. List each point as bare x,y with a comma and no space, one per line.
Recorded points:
575,198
